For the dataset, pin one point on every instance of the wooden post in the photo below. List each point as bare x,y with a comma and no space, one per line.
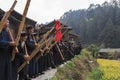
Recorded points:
6,15
11,36
37,49
21,26
60,52
49,44
26,52
34,52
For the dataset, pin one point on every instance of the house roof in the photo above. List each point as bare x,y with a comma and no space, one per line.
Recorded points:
74,34
17,16
48,26
109,50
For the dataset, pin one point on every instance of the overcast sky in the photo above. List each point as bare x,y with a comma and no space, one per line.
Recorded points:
47,10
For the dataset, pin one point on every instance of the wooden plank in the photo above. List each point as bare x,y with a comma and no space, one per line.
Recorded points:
6,15
21,26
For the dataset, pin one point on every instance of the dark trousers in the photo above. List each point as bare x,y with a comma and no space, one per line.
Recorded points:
5,66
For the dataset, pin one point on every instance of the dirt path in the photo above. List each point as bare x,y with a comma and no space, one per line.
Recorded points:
47,76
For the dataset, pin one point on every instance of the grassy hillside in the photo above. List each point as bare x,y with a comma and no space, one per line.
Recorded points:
78,68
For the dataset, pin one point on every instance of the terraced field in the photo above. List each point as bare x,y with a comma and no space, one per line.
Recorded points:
110,69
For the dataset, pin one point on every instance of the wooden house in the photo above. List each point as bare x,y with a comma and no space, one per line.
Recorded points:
15,19
109,53
69,35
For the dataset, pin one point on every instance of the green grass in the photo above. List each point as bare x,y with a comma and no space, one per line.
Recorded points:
77,68
54,78
95,74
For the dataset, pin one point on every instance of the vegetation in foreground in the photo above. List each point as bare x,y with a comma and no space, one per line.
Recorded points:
85,67
95,74
107,70
77,68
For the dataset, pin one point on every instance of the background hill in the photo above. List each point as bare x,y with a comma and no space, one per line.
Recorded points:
98,24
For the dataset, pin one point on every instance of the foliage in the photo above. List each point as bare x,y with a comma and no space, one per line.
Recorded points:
77,68
54,78
98,24
94,49
113,55
95,74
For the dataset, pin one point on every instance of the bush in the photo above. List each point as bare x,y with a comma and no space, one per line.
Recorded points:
94,49
77,68
96,74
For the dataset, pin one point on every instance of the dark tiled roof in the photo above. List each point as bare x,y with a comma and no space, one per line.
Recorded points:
109,50
17,16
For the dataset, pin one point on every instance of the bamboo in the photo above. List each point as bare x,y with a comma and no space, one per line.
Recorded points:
46,48
49,48
59,48
34,39
34,52
37,49
43,39
52,45
21,26
6,15
60,52
26,52
46,35
11,36
68,50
